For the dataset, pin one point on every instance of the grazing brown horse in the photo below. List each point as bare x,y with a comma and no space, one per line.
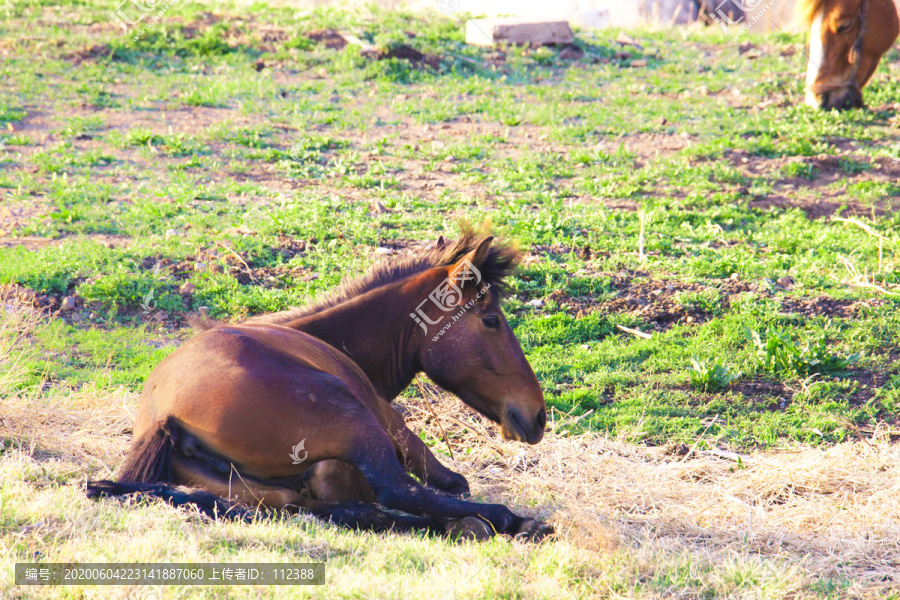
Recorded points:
293,410
847,39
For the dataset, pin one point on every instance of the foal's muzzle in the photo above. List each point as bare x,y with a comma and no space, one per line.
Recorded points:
516,427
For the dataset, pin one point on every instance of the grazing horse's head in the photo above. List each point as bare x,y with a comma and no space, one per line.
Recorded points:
468,347
847,39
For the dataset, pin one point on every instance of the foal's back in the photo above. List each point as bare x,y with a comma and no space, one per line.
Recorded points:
252,392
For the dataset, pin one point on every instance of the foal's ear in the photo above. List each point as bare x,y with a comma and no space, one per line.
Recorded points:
477,256
440,242
467,269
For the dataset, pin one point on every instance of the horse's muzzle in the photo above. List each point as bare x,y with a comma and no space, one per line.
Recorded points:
516,427
837,99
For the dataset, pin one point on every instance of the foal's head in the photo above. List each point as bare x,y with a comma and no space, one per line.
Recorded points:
468,347
847,39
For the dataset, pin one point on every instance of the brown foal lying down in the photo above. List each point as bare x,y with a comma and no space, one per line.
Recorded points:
292,410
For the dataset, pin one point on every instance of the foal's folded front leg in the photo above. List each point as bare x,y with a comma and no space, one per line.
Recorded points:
422,463
376,459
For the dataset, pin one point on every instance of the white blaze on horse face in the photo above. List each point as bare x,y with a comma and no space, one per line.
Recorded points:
816,56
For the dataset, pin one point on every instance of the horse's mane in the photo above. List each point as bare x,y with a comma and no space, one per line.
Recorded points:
497,265
808,9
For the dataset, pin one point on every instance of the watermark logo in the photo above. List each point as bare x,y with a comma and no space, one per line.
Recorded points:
295,452
601,152
148,304
129,13
895,153
298,151
448,6
448,295
729,13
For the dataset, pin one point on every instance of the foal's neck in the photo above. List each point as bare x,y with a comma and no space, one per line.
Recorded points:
376,331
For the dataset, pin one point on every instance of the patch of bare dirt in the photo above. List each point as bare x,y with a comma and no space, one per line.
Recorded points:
818,207
91,53
14,215
774,394
652,145
870,382
415,57
329,38
819,196
660,302
823,306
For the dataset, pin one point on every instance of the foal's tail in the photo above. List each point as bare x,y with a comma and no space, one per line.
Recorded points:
150,457
147,472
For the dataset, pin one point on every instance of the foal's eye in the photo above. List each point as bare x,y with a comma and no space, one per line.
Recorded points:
491,322
845,26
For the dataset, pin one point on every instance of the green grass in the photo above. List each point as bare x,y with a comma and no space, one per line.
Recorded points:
547,163
236,153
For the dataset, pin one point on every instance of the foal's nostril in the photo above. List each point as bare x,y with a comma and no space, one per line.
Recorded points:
542,418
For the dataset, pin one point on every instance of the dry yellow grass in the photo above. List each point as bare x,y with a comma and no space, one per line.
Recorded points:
632,521
827,513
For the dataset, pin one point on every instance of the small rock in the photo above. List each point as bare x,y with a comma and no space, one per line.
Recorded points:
571,53
378,208
203,310
384,251
187,288
93,315
663,121
685,134
735,277
786,282
516,30
311,277
160,316
171,232
536,303
585,347
200,266
77,317
68,303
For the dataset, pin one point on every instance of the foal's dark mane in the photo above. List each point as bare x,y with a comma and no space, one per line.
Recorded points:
501,260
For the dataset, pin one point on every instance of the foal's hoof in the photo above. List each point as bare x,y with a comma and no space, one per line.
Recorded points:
533,530
455,486
469,528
